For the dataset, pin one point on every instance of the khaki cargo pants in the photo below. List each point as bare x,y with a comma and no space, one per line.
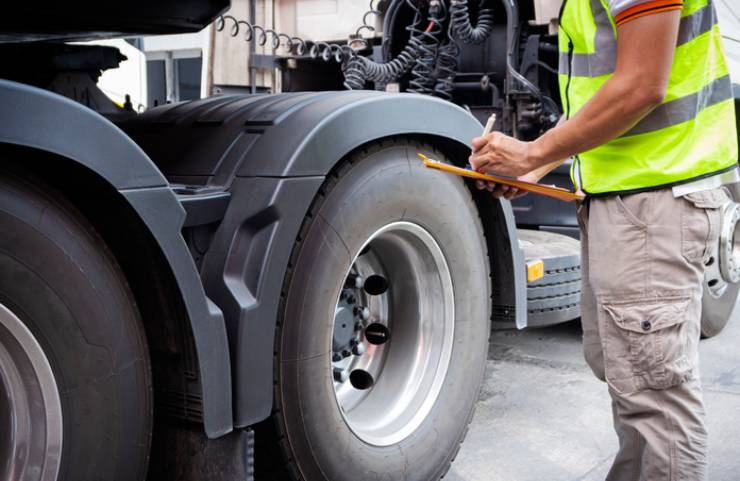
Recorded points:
643,261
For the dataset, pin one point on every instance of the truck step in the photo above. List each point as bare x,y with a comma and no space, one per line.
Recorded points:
555,297
203,205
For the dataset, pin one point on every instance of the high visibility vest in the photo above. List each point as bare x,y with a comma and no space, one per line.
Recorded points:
691,135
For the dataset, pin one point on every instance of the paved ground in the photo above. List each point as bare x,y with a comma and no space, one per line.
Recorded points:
543,417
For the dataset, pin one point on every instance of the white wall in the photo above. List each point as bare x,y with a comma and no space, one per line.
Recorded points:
331,19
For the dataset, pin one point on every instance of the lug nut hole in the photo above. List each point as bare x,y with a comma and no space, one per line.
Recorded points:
376,285
377,334
361,379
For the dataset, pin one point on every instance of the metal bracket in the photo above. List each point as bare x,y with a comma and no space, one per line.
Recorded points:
266,62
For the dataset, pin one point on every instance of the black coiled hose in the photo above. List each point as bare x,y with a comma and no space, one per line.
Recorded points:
359,70
461,26
290,45
447,56
423,71
293,45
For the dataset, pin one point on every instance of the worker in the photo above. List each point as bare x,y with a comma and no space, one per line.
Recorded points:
649,122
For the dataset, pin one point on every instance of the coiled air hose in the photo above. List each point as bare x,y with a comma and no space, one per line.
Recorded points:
461,26
359,70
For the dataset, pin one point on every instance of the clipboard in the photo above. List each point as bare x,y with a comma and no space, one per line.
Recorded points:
540,189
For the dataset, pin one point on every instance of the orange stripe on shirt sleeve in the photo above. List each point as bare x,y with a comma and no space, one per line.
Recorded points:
647,8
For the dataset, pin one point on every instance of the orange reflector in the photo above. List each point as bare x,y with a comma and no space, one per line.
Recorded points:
535,270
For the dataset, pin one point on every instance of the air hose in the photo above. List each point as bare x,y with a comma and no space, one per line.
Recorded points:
461,27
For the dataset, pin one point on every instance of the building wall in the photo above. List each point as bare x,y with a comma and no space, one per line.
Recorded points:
230,62
325,20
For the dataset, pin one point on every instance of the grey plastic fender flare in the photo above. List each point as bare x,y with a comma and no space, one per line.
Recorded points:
41,120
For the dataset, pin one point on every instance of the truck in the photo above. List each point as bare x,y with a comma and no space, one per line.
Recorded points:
262,285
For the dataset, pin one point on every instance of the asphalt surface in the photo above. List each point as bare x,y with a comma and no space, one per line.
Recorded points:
542,416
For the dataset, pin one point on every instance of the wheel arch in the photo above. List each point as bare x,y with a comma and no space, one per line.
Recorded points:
334,134
110,179
508,271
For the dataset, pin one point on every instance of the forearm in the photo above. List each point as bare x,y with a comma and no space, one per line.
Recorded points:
541,171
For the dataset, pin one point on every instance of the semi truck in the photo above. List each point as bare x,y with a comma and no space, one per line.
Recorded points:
263,285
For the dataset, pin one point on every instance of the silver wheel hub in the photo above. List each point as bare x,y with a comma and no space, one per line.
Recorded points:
393,334
30,408
729,243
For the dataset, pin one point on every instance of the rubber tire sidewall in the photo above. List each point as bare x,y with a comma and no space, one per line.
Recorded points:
385,185
58,277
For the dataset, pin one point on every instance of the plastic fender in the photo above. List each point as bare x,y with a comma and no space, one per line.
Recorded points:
47,122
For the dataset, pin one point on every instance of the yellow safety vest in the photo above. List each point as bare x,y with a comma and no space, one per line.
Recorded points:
691,135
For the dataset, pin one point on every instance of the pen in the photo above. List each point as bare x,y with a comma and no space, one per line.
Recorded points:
487,130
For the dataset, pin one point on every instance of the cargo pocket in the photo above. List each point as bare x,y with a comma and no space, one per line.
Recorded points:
647,344
700,220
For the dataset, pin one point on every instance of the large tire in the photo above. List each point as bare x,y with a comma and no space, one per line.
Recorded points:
78,341
382,187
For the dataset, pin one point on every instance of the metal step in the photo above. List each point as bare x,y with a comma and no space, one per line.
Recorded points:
555,297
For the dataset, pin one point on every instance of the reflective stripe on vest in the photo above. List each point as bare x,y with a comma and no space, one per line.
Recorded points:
690,135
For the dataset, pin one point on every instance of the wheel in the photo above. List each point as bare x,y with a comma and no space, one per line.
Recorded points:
75,387
385,322
722,275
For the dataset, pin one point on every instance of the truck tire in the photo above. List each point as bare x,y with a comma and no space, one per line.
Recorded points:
74,368
391,255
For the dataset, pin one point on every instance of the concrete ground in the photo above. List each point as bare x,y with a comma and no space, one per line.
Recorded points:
542,416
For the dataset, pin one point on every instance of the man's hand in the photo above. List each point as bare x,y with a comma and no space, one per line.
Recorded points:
507,191
500,154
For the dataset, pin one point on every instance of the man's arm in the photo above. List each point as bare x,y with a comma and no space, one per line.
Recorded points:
645,50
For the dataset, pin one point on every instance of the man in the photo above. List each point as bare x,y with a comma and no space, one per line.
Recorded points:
650,123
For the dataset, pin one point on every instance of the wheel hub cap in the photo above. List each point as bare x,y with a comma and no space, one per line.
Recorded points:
393,334
30,408
729,243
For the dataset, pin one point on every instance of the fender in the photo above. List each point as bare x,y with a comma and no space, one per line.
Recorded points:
272,153
47,122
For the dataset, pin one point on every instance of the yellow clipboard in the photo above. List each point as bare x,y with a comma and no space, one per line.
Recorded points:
539,189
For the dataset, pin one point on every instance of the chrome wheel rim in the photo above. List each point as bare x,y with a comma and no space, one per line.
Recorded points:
729,243
720,298
30,407
715,285
393,334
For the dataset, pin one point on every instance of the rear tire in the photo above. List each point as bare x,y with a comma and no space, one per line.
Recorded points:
61,284
383,191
